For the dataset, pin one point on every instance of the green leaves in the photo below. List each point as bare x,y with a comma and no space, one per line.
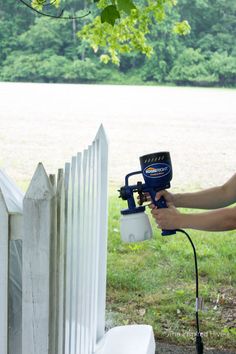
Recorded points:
110,14
130,33
182,28
126,6
39,4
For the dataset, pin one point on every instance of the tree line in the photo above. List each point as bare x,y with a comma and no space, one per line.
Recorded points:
38,49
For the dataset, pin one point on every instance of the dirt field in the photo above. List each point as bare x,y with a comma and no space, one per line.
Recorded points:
49,123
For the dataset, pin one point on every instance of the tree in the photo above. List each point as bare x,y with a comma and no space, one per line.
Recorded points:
43,55
191,68
224,68
122,26
40,49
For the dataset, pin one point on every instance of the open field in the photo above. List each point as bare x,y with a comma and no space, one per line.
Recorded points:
50,122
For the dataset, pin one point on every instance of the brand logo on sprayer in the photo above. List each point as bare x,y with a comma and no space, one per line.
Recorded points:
152,170
157,170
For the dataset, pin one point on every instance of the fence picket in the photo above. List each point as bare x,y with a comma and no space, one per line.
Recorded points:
85,245
61,258
37,207
66,328
93,248
68,223
53,271
10,265
4,241
96,237
102,229
78,251
80,276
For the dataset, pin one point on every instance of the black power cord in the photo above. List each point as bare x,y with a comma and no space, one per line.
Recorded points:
199,343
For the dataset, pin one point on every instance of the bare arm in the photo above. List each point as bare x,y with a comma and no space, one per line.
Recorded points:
216,220
212,198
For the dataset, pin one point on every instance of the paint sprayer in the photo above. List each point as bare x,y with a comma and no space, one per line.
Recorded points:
156,171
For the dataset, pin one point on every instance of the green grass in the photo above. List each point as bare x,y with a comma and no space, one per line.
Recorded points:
153,282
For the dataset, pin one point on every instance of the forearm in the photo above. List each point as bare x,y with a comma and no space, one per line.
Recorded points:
217,220
212,198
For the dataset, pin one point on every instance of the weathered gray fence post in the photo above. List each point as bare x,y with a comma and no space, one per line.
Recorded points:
38,278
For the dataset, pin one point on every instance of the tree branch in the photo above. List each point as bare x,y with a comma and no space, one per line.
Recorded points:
59,16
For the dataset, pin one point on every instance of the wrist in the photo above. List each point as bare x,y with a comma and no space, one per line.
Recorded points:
184,221
177,200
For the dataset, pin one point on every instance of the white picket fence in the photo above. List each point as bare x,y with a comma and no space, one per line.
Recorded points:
60,238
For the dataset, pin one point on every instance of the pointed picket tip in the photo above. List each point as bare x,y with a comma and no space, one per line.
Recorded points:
60,175
101,134
67,176
60,180
12,195
40,187
52,179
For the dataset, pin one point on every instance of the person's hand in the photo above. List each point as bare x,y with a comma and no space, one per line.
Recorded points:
167,218
169,197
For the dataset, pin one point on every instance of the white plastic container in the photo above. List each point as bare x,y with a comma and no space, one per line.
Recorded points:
135,227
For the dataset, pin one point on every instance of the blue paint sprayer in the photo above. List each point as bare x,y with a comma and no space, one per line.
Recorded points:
156,170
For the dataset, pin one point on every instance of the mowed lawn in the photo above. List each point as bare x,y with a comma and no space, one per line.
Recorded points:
153,282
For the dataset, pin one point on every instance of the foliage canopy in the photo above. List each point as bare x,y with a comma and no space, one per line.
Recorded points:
122,26
39,49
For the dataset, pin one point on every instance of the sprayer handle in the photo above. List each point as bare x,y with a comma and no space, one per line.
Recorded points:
161,203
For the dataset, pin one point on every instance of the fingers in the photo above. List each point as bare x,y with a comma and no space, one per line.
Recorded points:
152,206
158,216
160,194
146,196
154,210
